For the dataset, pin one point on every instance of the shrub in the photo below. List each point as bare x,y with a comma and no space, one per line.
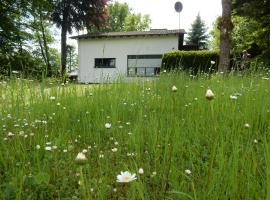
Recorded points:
194,61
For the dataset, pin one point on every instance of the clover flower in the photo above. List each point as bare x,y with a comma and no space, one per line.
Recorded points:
209,94
81,158
174,88
140,171
108,125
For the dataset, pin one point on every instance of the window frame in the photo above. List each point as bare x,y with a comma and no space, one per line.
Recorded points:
104,66
144,56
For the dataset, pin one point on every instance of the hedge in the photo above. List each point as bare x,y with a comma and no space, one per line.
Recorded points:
194,61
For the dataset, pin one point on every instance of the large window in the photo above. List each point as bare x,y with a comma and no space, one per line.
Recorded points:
104,62
144,65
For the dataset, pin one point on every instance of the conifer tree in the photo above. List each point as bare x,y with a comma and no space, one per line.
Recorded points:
197,34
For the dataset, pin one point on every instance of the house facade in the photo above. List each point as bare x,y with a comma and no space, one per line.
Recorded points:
104,57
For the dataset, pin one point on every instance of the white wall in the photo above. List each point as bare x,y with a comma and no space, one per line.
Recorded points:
118,48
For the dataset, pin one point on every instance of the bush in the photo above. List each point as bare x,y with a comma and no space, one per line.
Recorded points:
193,61
25,64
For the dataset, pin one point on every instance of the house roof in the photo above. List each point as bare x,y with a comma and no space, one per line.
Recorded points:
152,32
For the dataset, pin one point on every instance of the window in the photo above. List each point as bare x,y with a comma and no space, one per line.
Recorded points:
105,62
144,65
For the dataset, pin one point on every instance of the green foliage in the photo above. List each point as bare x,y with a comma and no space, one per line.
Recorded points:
117,13
194,61
214,42
245,34
122,18
255,22
197,34
70,15
72,58
25,38
137,22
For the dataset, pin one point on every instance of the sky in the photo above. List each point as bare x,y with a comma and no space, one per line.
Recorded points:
163,15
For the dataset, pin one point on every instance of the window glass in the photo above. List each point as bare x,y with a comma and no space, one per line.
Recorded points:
105,62
149,71
141,71
132,71
143,65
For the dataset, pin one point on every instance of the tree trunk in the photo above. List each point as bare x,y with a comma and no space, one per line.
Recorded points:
41,47
225,36
46,49
63,50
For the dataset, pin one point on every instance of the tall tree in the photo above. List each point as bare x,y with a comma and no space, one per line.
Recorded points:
225,27
40,11
197,34
257,12
246,34
72,58
117,13
122,18
214,43
137,22
77,14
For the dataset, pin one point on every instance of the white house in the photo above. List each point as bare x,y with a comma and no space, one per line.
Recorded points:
103,57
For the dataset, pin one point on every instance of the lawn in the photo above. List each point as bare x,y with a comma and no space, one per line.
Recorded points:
179,144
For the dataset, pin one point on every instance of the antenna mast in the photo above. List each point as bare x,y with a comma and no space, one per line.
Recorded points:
178,6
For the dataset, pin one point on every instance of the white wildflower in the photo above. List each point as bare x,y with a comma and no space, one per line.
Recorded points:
187,171
48,148
247,125
10,134
52,98
84,151
126,177
233,97
108,125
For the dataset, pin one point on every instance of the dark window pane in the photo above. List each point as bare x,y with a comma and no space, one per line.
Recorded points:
104,62
144,56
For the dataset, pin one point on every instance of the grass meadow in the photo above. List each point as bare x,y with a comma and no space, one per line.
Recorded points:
179,144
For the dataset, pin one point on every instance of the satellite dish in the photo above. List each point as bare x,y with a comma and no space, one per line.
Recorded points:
178,6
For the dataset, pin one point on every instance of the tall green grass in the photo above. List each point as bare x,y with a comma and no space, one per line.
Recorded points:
223,142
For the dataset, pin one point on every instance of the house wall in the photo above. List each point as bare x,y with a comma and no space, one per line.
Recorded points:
118,48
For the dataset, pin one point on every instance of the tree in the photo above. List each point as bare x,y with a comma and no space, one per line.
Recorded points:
72,58
197,34
121,18
255,18
117,13
40,11
214,43
137,22
246,34
225,27
69,14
